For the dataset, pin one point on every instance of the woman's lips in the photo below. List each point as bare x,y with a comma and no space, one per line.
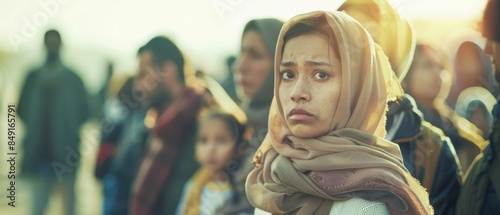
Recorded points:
245,83
211,162
300,115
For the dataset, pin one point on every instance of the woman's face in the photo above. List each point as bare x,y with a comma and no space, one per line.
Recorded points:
479,118
215,146
425,80
309,86
469,68
254,63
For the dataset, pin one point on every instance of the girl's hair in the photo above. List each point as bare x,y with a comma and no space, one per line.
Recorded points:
313,25
236,128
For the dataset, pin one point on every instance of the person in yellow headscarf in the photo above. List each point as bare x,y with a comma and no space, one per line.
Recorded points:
428,154
325,151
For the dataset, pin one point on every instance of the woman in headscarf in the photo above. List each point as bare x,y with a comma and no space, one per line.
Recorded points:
476,105
325,151
256,80
473,68
255,71
424,83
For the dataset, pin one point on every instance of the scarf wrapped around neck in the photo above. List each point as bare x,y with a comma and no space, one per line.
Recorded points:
306,176
162,154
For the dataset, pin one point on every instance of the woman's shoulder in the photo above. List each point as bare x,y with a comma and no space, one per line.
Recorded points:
359,206
352,206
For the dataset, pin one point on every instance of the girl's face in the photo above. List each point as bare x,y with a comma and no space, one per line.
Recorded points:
424,82
254,63
309,86
215,146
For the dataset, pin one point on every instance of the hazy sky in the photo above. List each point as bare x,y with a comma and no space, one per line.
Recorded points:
206,30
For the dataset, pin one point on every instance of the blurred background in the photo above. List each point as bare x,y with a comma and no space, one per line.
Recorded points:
98,33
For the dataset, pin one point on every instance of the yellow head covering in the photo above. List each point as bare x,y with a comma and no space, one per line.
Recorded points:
393,33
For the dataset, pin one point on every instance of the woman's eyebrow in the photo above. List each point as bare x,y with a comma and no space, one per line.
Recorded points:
308,63
287,63
317,63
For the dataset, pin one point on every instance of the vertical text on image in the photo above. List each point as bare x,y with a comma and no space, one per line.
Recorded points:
11,154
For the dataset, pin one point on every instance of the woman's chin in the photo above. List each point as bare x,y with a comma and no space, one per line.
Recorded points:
305,131
249,92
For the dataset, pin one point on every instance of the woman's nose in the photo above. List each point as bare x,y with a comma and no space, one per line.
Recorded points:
211,147
241,65
300,91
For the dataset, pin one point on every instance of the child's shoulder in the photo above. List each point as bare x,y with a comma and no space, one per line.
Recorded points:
218,186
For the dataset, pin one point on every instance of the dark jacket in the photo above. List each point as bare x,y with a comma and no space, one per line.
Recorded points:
427,154
53,106
481,190
123,138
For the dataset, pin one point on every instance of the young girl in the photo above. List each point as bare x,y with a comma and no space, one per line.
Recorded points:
219,139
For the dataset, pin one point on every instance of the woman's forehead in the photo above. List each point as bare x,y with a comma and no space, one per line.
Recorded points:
315,46
252,38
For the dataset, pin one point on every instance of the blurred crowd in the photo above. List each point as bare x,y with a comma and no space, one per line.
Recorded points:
175,141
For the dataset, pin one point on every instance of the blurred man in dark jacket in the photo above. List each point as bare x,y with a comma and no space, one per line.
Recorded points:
53,106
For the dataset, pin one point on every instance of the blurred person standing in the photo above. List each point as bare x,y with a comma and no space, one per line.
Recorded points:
53,106
427,154
425,84
255,74
473,68
255,78
481,190
98,99
168,160
124,134
475,104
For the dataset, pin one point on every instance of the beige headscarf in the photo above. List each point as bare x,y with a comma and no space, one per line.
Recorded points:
305,176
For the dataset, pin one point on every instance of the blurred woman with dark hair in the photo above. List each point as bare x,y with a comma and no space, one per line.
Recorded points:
425,84
473,68
255,77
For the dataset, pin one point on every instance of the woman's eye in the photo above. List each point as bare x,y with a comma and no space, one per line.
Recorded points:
202,140
221,140
256,56
321,75
286,75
